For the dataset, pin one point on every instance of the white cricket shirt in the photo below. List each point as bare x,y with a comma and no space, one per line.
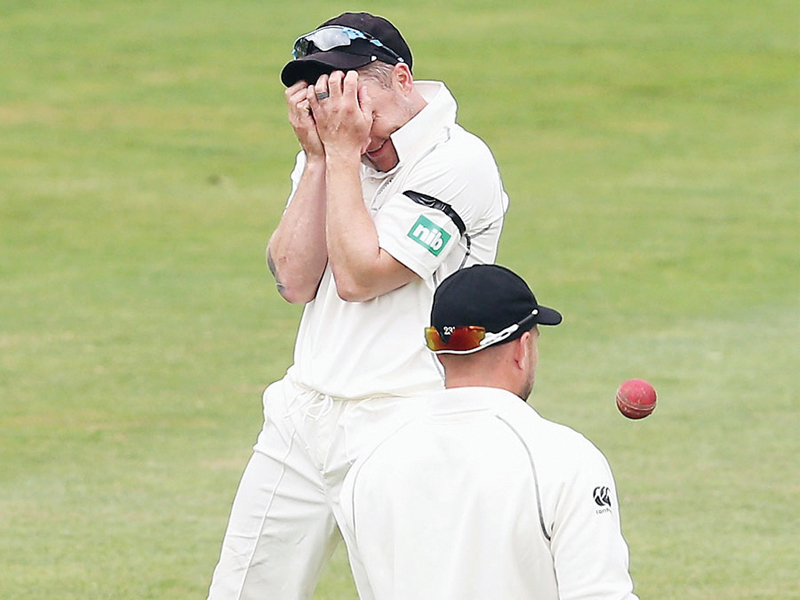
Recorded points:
479,497
376,348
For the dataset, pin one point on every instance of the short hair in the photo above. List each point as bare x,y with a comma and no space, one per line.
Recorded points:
378,71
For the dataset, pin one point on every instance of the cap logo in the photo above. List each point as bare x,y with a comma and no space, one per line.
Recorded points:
429,235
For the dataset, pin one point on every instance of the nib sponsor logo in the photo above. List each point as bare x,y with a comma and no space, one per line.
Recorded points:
429,235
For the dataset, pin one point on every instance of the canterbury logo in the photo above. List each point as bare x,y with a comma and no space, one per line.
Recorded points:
601,497
429,235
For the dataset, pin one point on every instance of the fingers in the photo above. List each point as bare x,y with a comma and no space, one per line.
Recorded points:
317,93
293,89
350,85
339,90
321,87
296,92
344,86
365,102
302,120
340,122
296,97
336,86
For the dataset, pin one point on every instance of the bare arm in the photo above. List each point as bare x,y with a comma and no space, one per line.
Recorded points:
297,252
361,268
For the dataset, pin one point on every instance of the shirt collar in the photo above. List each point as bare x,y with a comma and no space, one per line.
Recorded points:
441,108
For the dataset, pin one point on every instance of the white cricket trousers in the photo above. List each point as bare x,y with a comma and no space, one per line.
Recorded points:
283,523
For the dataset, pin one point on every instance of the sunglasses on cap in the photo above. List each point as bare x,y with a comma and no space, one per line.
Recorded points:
469,339
335,36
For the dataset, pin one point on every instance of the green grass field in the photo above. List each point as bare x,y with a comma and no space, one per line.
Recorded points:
650,150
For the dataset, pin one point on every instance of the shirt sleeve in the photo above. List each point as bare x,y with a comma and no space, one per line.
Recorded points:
590,555
462,178
419,231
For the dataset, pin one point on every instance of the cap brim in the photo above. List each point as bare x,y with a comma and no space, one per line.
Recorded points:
309,68
548,316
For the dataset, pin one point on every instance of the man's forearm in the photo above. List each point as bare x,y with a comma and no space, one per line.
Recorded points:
297,251
362,270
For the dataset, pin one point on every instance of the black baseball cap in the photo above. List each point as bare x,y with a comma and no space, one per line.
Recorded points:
492,297
392,49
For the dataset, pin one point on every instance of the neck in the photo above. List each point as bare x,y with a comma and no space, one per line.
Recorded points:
491,368
417,103
509,386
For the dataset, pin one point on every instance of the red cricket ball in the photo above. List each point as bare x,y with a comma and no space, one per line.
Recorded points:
636,398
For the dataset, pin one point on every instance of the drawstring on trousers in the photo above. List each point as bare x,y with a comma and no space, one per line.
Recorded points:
313,404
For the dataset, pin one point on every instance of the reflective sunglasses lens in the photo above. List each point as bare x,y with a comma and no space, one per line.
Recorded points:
325,39
328,38
460,340
432,339
301,47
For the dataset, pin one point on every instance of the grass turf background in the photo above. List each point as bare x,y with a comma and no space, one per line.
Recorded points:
651,154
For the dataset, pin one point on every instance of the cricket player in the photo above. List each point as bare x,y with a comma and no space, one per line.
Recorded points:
389,196
478,497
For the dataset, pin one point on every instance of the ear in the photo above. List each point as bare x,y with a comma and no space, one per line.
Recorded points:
403,77
522,348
